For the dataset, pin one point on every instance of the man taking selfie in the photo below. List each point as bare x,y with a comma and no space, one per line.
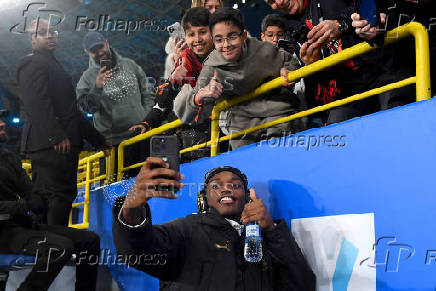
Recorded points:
116,91
205,251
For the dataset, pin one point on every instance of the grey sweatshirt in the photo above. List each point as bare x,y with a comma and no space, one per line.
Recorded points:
122,102
259,62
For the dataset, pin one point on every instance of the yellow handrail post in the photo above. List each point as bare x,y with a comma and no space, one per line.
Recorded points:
214,132
120,162
422,52
70,217
87,190
110,165
423,83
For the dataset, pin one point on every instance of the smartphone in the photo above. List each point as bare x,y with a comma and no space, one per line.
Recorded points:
368,11
166,147
106,63
176,30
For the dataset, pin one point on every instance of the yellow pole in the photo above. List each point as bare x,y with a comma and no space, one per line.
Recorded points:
120,162
214,133
87,190
423,83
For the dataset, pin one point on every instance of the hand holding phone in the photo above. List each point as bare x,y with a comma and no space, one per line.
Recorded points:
176,30
153,173
104,75
166,147
368,11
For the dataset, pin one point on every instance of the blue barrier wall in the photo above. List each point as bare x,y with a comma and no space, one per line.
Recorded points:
384,164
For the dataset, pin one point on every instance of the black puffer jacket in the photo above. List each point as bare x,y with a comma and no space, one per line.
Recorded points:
204,252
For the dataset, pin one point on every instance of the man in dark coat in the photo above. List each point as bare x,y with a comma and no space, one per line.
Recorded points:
205,251
19,234
54,129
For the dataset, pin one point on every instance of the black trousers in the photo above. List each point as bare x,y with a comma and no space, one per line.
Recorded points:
53,246
54,176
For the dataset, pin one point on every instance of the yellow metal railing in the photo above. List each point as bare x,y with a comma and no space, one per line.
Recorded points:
28,168
148,134
91,177
422,81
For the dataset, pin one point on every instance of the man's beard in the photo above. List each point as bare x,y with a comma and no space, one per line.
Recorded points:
105,56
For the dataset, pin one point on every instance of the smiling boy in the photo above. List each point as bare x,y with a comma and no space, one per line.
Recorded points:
195,23
245,63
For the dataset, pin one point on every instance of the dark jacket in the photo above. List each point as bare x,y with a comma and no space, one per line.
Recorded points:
15,191
204,252
50,105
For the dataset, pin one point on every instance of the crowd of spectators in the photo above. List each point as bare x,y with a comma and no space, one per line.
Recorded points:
216,59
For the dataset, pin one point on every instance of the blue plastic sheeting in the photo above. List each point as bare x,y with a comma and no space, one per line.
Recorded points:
383,164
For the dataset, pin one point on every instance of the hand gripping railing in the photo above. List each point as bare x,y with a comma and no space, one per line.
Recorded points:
422,80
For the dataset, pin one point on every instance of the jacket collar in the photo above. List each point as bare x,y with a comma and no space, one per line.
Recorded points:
45,53
212,217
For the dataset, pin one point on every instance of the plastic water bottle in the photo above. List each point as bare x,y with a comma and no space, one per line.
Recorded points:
253,243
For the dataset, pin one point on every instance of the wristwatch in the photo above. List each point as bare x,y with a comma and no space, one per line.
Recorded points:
342,25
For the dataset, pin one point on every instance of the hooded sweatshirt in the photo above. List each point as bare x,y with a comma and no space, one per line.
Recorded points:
259,62
124,101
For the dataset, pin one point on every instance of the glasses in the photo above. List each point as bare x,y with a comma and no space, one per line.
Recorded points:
219,41
46,33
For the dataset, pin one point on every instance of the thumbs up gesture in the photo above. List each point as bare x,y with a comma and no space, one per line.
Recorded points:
214,89
257,211
179,73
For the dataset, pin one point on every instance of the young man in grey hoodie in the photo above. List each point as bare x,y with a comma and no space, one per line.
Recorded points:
116,91
237,66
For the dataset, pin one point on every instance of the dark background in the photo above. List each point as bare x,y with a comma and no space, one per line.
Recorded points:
144,47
